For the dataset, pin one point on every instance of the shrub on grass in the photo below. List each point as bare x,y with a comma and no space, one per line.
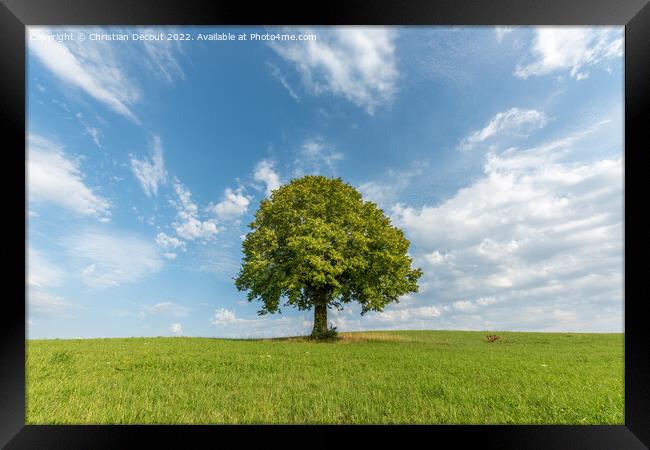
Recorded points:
330,335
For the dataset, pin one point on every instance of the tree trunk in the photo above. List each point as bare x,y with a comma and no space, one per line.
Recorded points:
320,320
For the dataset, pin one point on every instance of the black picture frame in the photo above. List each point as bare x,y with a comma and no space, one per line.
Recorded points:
16,14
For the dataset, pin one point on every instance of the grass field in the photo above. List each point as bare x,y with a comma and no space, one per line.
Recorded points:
442,377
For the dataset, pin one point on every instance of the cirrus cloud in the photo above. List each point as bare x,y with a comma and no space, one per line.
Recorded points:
572,49
91,66
513,120
357,63
54,177
150,173
108,258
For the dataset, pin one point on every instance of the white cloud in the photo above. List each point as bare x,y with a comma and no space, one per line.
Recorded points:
357,63
317,150
90,66
165,308
53,177
176,329
223,258
42,275
223,316
572,49
41,303
90,131
161,54
108,259
265,173
41,272
315,156
377,192
514,119
94,134
464,305
233,205
437,258
89,270
277,74
409,313
406,314
502,31
229,325
189,226
486,301
388,190
150,173
192,228
169,242
539,230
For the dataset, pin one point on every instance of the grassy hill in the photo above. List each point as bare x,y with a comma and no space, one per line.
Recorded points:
442,377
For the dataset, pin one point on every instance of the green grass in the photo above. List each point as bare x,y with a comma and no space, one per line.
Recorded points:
442,377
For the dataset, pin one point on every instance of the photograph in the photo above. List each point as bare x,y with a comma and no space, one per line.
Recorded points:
325,225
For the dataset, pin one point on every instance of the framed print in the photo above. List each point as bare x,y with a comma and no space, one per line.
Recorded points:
366,217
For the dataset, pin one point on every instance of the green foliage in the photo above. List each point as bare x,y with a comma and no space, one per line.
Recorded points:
390,377
316,241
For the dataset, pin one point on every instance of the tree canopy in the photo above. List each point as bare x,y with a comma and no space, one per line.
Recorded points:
316,243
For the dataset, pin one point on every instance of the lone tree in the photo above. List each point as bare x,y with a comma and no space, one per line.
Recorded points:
316,243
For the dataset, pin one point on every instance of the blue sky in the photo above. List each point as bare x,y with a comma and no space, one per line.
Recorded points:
499,152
